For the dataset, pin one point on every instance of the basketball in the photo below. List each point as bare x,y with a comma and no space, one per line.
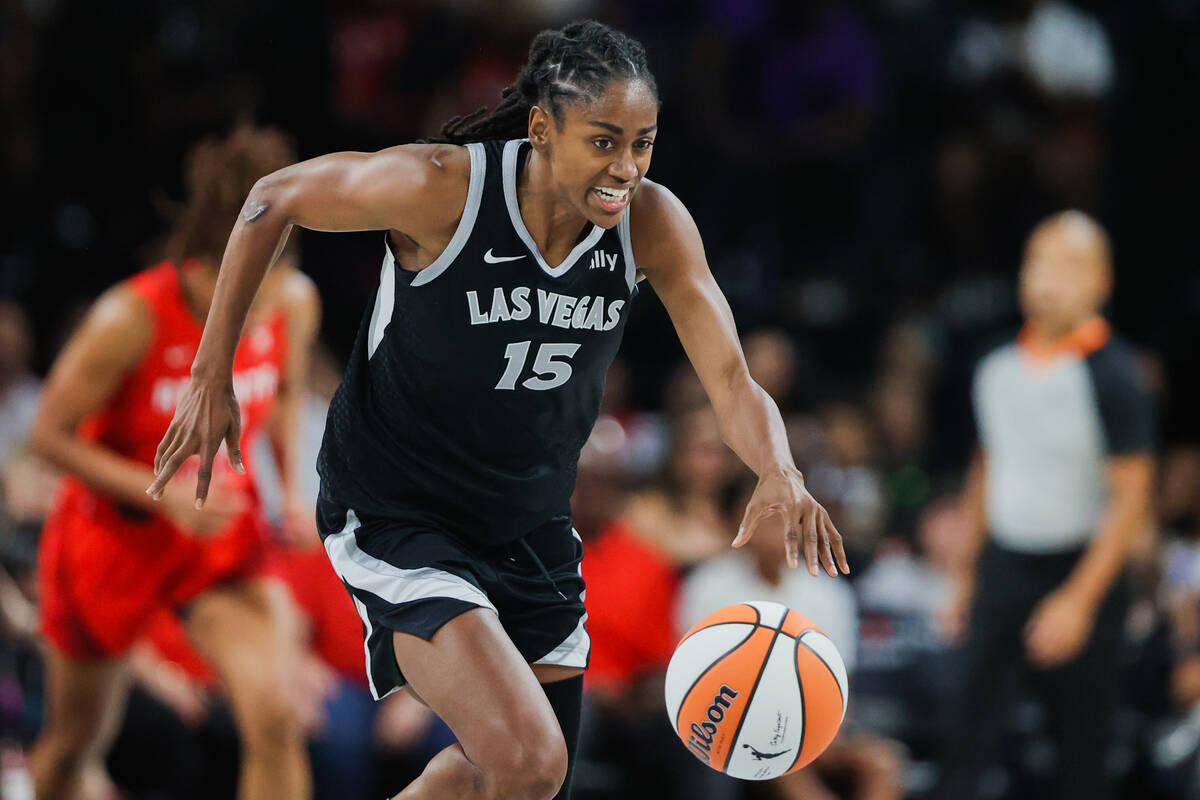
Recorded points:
756,690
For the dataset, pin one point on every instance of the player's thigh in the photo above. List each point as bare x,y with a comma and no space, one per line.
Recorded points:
472,675
246,631
85,700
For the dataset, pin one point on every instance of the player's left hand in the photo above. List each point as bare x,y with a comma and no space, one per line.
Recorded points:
1058,629
781,502
299,523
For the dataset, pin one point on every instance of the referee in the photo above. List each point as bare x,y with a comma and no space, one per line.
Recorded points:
1055,496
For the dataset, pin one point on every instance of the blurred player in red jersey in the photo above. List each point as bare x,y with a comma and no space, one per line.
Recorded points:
111,558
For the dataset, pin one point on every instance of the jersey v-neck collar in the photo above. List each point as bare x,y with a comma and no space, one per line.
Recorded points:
509,169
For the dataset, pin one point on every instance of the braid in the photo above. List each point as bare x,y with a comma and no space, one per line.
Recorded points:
575,63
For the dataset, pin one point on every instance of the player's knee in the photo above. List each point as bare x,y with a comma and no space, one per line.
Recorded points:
72,739
532,767
65,750
270,724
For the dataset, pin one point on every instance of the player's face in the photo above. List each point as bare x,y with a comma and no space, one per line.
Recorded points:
602,151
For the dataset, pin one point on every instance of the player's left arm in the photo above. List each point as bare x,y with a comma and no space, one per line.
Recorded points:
301,306
669,251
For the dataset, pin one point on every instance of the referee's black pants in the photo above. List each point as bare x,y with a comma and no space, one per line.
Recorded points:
1080,698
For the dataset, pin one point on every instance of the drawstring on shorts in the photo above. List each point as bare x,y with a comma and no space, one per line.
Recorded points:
542,567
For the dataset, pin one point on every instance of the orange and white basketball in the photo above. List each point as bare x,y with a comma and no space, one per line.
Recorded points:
756,690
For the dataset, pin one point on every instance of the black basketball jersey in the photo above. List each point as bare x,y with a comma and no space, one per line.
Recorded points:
474,383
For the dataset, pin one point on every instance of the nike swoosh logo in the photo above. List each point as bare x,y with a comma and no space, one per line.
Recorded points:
491,259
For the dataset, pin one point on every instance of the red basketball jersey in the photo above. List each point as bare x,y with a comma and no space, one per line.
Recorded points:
136,417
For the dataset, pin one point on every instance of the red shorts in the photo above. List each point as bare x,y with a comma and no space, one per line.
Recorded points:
102,581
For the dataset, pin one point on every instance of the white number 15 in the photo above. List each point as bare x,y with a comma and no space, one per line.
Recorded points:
550,374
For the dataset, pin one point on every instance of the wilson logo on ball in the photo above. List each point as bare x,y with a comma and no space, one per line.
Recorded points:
704,732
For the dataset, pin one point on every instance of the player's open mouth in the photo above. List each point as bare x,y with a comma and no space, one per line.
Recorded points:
611,199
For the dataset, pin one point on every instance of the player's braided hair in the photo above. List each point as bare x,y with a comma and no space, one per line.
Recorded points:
577,62
218,174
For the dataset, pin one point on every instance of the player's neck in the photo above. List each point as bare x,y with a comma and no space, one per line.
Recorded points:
201,283
554,224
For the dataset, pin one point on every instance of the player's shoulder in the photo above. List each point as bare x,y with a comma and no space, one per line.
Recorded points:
654,204
296,289
660,226
121,319
426,167
427,184
290,291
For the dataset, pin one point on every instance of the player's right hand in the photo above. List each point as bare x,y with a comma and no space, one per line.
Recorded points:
206,415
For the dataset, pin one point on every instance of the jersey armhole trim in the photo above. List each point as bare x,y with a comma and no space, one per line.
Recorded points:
627,248
385,300
466,224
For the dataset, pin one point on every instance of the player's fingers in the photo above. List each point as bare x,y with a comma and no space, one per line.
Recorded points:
826,550
164,446
233,441
791,541
811,539
204,475
749,524
836,543
163,471
168,469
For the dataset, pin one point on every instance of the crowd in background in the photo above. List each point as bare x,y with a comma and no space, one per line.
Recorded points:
864,174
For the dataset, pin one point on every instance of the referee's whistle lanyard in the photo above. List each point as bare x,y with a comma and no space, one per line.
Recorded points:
541,567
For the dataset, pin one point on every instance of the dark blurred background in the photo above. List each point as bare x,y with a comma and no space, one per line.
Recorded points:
864,174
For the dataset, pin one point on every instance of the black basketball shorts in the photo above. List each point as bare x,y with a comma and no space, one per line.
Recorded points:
412,578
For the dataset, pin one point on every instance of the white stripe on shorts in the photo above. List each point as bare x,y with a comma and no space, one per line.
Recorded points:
366,621
392,584
572,651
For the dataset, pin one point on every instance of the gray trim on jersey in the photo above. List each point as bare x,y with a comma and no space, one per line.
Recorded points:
385,300
627,246
385,296
509,171
466,224
576,649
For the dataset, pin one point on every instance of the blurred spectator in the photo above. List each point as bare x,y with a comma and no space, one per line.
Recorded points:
1058,492
18,386
848,481
1059,47
903,579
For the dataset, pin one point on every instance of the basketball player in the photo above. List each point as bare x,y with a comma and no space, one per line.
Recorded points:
111,559
451,447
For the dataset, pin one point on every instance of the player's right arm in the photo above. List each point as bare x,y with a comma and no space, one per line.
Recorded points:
413,189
